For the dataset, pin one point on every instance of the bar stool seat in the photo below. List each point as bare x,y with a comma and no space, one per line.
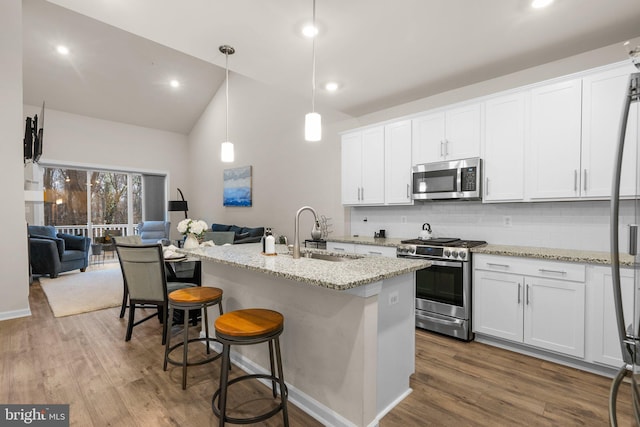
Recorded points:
189,299
247,327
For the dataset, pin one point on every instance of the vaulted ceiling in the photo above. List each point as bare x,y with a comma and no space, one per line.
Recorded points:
381,52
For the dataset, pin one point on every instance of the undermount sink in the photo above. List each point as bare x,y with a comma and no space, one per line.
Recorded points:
327,257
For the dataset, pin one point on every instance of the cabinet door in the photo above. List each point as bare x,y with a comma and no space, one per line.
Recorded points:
372,166
555,141
603,96
497,304
428,138
605,344
397,149
554,315
351,168
462,132
504,148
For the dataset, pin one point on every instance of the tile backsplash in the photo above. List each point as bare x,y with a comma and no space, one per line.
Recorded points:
565,225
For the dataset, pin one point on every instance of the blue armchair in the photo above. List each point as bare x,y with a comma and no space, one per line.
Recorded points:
53,253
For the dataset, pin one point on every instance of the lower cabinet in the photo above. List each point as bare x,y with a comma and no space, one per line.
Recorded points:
536,302
603,336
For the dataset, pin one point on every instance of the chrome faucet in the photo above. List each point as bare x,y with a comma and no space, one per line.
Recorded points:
296,235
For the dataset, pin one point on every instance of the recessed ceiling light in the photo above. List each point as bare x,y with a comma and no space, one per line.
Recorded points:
538,4
174,83
309,31
331,86
62,50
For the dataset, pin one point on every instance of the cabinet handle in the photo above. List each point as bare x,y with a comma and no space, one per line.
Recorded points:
408,195
446,147
441,149
375,253
362,193
519,286
336,248
498,265
575,180
584,185
486,186
358,193
633,239
527,294
544,270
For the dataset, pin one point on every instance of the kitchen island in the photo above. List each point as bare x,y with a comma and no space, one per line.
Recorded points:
348,344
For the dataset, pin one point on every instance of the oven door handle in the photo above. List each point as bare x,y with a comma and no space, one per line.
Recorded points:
455,264
438,319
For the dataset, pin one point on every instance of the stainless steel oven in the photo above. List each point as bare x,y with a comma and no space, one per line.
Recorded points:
443,291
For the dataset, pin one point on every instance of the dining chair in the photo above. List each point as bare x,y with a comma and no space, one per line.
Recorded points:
128,240
143,271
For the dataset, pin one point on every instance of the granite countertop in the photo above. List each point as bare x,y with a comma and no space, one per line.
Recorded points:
357,271
570,255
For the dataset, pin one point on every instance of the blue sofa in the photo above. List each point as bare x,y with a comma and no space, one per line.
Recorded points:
242,234
53,253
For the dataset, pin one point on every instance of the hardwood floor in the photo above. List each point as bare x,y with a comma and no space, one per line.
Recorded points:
83,360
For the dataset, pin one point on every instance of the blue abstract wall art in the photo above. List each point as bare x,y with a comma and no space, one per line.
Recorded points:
237,186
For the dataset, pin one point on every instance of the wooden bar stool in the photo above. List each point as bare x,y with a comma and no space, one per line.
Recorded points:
190,299
247,327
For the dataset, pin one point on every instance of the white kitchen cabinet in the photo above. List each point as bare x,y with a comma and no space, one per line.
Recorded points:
554,145
603,333
504,142
397,158
447,135
363,167
603,95
352,248
536,302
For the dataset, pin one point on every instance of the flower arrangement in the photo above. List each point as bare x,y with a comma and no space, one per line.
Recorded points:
195,227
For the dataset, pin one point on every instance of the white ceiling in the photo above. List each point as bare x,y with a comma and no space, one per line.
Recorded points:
382,52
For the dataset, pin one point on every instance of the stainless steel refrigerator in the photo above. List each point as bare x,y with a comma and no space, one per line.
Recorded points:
627,322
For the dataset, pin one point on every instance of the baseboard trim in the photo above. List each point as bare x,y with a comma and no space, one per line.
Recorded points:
26,312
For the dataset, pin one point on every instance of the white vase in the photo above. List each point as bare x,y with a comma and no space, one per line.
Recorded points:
191,242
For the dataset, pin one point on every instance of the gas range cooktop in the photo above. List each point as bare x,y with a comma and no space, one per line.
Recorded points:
445,248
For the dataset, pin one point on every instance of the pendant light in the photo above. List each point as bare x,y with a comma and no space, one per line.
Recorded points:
313,121
226,150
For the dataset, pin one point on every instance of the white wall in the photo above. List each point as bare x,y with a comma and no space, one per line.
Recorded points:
266,126
71,139
569,225
14,264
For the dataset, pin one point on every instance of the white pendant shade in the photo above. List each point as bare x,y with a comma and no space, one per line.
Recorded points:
226,152
312,127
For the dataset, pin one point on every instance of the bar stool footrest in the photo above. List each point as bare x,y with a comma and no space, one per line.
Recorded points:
284,394
213,357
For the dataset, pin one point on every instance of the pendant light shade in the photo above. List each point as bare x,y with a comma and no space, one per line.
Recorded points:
312,127
227,154
313,121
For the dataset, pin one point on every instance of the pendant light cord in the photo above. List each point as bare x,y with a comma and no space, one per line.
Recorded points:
227,94
313,63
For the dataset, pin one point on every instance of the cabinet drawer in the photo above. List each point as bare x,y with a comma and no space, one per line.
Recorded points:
386,251
531,267
341,247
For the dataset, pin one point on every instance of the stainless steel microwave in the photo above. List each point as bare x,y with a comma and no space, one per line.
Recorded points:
453,179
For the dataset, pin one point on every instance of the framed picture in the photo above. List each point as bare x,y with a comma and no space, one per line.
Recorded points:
237,186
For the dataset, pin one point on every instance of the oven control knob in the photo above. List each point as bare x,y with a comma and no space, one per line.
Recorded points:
454,254
463,255
447,252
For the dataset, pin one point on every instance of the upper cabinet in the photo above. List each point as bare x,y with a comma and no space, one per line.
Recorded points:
554,148
363,167
602,99
447,135
397,158
504,142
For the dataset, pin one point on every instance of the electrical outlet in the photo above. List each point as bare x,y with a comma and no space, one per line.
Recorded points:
506,221
393,298
403,219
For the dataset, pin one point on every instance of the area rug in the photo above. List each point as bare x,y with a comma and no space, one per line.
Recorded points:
75,292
